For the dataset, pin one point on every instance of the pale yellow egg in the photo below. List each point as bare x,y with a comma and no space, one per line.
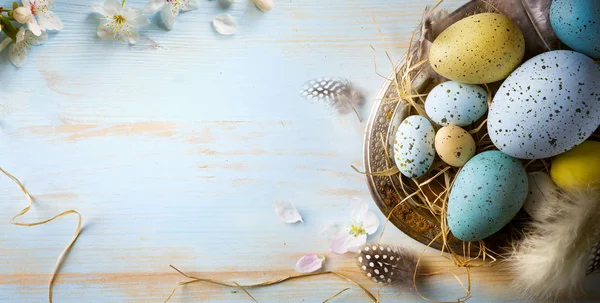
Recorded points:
479,49
454,145
578,168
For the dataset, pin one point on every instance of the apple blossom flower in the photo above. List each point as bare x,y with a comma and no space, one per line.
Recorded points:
169,9
120,23
18,51
43,19
354,235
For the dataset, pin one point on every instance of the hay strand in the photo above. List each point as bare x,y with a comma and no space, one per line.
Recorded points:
65,251
244,288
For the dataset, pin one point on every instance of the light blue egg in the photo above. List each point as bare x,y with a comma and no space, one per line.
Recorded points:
487,193
548,105
456,103
413,146
577,24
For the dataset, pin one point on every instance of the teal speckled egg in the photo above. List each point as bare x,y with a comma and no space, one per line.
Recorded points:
413,146
487,193
577,24
456,103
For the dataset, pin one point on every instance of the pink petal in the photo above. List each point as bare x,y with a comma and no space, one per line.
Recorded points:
309,263
339,245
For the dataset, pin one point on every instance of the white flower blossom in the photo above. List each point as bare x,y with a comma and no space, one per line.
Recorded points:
169,9
18,51
353,236
120,23
43,17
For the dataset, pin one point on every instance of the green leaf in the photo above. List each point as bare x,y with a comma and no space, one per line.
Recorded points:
15,5
8,28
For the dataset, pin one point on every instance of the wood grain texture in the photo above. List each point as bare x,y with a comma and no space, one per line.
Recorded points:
174,150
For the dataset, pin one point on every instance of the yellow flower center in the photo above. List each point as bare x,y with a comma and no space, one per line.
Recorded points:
119,19
357,229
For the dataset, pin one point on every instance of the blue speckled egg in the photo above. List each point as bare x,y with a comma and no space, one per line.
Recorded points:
413,146
456,103
577,24
487,193
547,106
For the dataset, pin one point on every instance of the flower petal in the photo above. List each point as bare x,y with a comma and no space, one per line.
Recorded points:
225,24
334,231
20,35
112,6
48,21
153,6
192,5
138,21
103,33
34,27
134,37
5,43
309,263
370,222
131,13
354,243
16,54
100,10
167,16
41,39
287,212
339,245
25,3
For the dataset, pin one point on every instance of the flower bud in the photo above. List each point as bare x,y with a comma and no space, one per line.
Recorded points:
22,14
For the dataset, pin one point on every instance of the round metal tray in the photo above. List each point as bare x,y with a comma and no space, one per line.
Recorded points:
383,121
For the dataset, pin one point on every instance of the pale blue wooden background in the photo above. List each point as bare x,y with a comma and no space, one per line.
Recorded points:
175,153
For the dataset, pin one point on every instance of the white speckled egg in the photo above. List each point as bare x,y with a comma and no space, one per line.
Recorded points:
547,106
541,187
487,193
456,103
413,146
454,145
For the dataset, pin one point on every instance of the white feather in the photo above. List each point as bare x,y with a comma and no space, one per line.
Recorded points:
551,260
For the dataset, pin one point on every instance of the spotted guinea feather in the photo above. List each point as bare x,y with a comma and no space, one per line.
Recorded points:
337,93
387,264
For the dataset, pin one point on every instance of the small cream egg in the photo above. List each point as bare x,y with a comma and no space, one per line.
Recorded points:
454,145
541,188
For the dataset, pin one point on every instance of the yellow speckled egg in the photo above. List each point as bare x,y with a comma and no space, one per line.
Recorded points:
454,145
579,168
479,49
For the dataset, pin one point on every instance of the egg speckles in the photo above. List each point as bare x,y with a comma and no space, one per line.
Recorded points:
487,193
547,106
577,24
456,103
454,145
482,48
413,146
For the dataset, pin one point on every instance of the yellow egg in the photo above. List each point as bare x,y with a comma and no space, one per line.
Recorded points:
578,168
479,49
454,145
